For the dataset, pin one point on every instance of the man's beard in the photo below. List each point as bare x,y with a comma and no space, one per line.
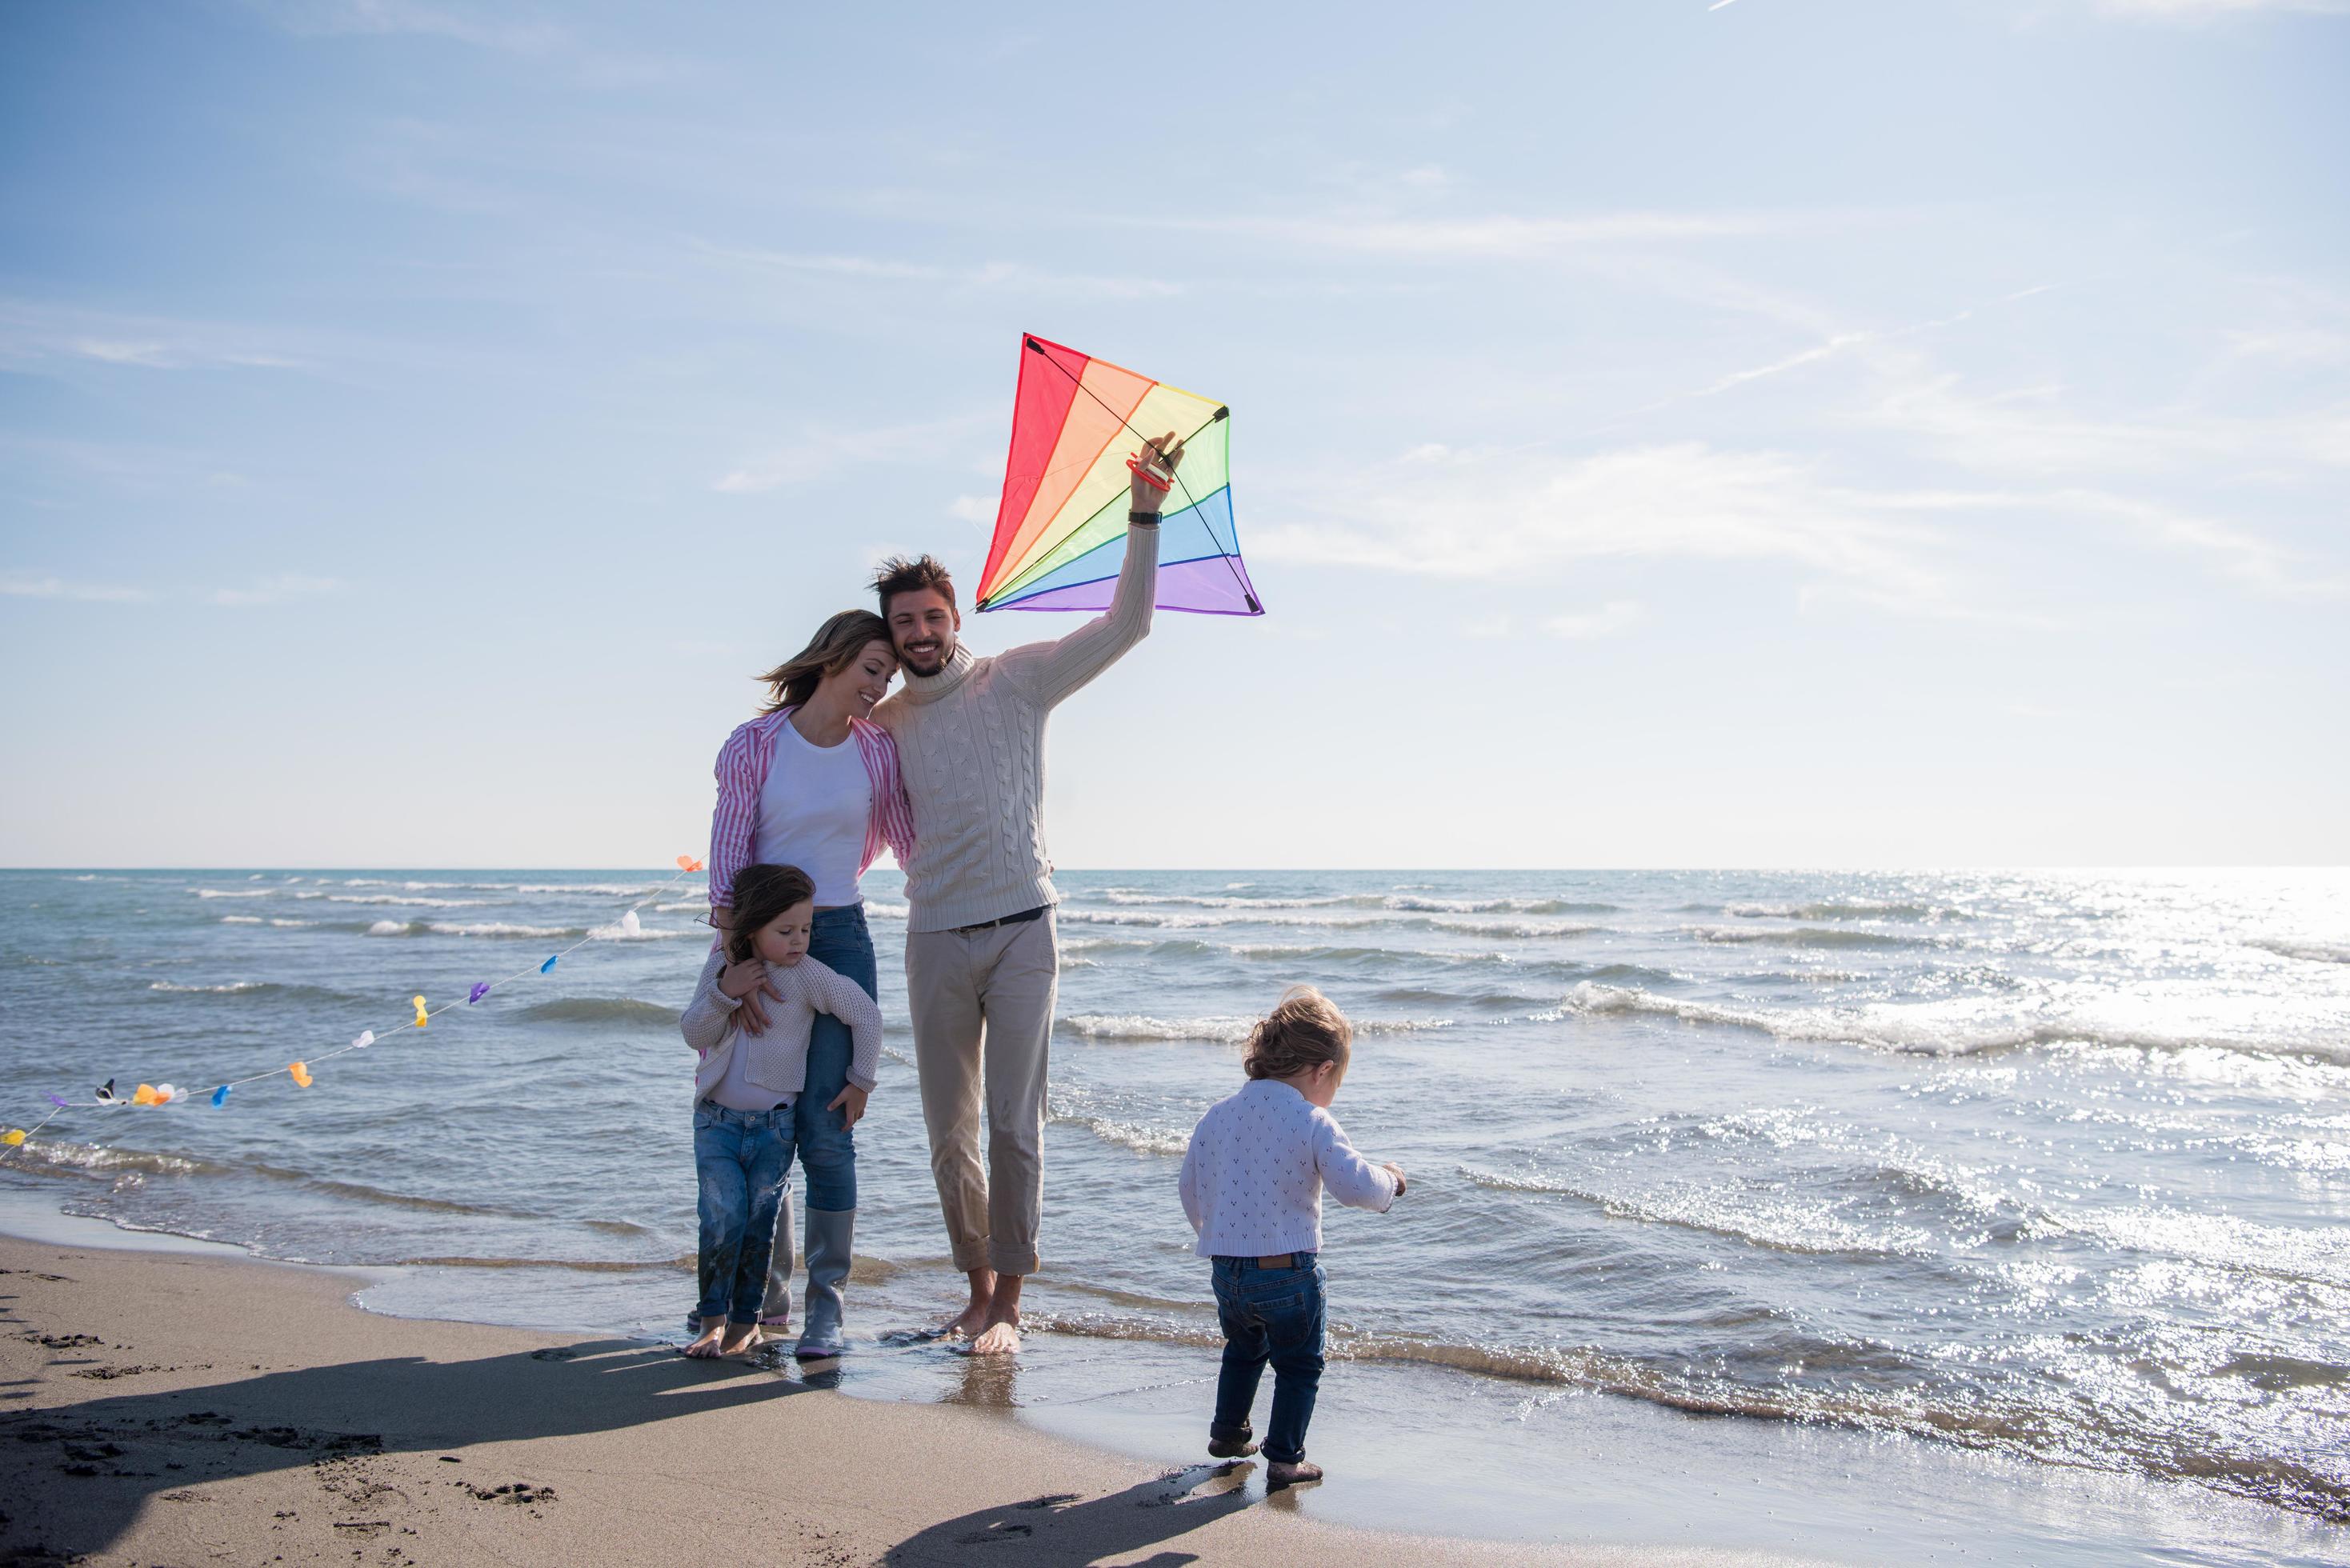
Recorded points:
915,666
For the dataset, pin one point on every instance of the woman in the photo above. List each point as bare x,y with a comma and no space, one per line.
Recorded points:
811,783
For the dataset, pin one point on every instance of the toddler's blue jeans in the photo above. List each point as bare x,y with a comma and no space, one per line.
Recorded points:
741,1159
1272,1315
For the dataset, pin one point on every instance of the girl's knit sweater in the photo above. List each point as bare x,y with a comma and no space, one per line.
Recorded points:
778,1058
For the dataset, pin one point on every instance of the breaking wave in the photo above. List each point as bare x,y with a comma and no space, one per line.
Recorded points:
600,1010
1399,901
1918,1029
2315,952
1814,937
1226,1030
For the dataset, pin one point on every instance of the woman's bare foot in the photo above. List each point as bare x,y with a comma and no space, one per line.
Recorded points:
1278,1474
742,1339
706,1346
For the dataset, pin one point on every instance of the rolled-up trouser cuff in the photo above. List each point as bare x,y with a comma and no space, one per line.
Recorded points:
1220,1433
1010,1263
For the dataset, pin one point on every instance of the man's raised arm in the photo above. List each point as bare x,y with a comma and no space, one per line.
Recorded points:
1054,670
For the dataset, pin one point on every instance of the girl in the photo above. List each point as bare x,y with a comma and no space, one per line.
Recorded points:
812,783
747,1084
1252,1181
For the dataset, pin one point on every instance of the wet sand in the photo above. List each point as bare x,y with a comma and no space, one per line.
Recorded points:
180,1404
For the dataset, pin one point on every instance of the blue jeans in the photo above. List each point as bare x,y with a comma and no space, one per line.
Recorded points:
827,1145
1270,1316
741,1159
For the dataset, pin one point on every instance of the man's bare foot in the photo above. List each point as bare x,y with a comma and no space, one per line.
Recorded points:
969,1322
1001,1336
1278,1474
706,1346
742,1339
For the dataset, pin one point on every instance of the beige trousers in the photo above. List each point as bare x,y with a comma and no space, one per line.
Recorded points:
985,997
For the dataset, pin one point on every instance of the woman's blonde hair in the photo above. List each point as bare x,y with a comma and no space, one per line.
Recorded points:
836,645
1305,1029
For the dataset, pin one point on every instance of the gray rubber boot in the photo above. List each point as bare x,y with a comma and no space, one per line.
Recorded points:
776,1309
831,1237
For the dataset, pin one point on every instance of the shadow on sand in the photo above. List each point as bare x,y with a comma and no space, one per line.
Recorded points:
1063,1529
119,1451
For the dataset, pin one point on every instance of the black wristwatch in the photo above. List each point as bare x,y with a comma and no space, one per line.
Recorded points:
1150,517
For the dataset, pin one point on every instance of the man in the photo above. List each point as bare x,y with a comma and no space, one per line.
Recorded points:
983,962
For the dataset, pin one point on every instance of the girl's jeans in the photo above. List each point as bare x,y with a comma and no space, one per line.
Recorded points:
741,1159
1270,1316
827,1145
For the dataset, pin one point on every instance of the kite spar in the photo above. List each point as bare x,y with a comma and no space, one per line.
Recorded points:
1060,529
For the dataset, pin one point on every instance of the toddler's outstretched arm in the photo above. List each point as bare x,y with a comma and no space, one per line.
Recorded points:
1347,1175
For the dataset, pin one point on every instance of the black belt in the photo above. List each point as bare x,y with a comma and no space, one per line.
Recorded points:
1021,919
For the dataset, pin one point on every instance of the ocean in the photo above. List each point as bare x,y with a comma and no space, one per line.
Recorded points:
2039,1173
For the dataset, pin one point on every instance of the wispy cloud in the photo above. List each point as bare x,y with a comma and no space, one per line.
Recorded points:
275,590
1498,237
1516,516
2207,10
46,586
487,29
821,451
995,277
33,331
508,30
271,590
1614,617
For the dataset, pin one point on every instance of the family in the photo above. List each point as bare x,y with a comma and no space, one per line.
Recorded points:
947,773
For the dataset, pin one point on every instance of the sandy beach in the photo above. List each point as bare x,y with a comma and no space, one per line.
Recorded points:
176,1407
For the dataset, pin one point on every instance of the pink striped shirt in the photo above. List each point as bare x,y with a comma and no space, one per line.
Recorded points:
743,764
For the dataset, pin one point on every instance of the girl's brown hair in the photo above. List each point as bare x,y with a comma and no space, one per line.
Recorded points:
835,647
1305,1029
761,893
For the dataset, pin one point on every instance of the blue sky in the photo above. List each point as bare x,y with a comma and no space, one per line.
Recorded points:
1826,433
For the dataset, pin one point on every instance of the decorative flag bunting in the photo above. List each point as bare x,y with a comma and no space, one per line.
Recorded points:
1060,528
105,1097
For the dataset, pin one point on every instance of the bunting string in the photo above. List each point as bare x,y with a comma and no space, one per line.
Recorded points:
304,1072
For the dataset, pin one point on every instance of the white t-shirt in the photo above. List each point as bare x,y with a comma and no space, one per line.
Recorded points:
812,812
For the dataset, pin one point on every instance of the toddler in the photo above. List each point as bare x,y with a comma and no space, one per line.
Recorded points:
1252,1181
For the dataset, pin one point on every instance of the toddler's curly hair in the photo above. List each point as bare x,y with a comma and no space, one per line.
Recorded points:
1305,1028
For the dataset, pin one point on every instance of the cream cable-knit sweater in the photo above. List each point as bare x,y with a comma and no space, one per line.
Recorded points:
970,749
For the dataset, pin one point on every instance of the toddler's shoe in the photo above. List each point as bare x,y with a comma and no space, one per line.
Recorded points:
1229,1442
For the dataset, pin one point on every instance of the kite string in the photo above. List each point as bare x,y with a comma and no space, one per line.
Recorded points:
1190,502
404,1023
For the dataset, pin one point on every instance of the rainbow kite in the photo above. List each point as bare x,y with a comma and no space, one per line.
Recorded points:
1060,531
